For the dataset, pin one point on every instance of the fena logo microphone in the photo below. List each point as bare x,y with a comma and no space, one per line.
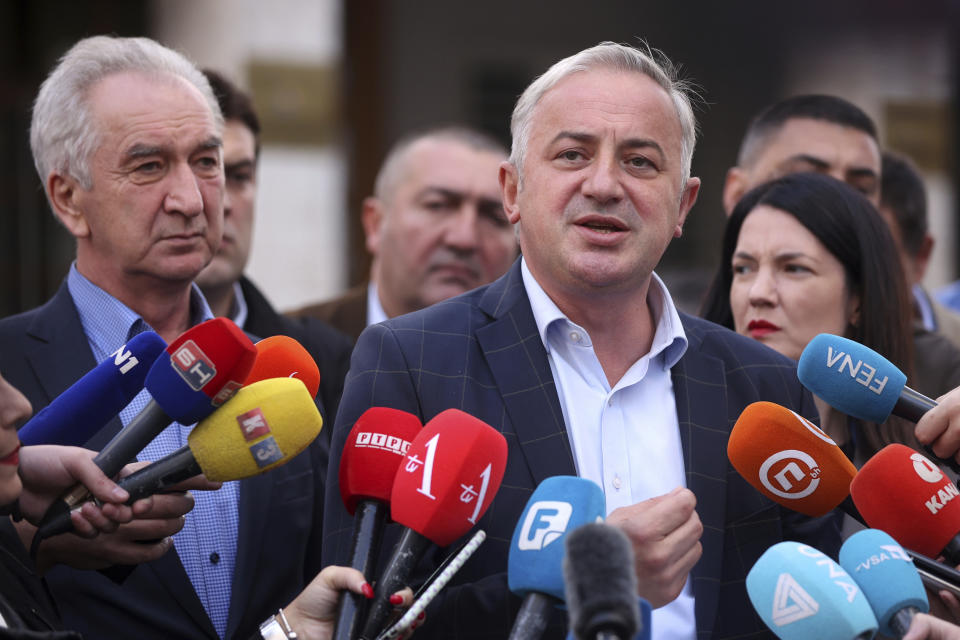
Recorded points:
926,469
861,372
546,521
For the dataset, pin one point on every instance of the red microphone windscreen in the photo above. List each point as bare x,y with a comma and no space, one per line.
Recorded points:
221,365
284,357
450,475
789,459
376,446
903,493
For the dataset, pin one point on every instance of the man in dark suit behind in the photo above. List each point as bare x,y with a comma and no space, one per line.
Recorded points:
434,226
229,292
126,135
579,358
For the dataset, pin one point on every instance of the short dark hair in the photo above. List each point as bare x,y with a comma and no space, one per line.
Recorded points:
850,228
811,106
903,194
235,104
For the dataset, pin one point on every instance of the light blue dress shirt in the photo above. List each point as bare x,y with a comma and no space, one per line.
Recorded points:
625,438
207,544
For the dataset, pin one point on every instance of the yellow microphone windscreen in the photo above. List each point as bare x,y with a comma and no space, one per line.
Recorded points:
261,427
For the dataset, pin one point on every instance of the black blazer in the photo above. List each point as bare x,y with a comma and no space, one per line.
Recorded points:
481,352
43,352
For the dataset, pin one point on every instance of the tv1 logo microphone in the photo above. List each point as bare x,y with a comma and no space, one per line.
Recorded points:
601,584
82,410
375,448
888,578
789,459
284,357
800,593
905,494
860,382
262,427
559,505
443,487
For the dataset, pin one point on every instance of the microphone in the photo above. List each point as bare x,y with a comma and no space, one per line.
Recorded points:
78,413
789,459
887,577
262,427
377,444
903,493
601,583
535,564
800,593
859,382
451,473
284,357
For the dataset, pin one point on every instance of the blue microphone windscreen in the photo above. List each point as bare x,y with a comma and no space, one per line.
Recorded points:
178,399
885,573
850,377
81,411
558,506
800,593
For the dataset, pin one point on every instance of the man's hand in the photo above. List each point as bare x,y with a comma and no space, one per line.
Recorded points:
940,427
926,627
665,533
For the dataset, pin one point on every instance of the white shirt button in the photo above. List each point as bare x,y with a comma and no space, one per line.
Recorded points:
617,483
575,336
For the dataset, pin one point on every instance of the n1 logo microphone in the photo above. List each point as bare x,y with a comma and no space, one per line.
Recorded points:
800,593
903,493
449,477
789,459
535,565
890,582
375,448
262,427
79,412
284,357
860,382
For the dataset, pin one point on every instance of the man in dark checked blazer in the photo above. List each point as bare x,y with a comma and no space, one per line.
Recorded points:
579,357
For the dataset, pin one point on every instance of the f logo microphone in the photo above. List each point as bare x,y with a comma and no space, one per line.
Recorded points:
926,469
790,474
545,522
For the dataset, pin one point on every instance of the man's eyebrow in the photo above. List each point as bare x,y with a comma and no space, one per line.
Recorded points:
820,163
241,164
861,172
141,150
213,142
443,191
576,136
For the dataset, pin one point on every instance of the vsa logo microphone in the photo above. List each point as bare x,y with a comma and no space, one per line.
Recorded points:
546,521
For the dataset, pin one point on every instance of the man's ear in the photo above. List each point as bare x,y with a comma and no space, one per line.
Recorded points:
687,199
734,187
922,260
372,219
509,188
65,194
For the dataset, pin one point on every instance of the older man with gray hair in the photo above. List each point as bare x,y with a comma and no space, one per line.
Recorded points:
126,136
580,359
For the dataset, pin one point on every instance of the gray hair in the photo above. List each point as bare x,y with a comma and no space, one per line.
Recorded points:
393,162
63,135
617,57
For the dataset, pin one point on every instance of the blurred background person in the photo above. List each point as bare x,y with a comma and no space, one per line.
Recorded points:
435,227
806,254
228,291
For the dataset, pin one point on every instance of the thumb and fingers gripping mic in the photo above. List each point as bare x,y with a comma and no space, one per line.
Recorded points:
789,459
888,578
800,593
860,382
442,488
559,505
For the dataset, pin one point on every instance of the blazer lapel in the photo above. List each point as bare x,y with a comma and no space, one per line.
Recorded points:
254,494
515,353
699,390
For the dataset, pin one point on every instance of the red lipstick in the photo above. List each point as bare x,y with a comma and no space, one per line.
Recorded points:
759,328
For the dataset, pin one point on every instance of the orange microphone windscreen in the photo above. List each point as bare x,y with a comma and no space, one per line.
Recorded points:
789,459
284,357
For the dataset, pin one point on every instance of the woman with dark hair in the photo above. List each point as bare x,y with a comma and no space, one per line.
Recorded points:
806,254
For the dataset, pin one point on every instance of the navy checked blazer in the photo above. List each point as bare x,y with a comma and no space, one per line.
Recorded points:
42,352
480,352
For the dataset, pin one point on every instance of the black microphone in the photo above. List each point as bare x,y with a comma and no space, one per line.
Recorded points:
601,584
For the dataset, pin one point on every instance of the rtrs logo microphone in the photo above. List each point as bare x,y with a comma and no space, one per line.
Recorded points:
546,521
791,602
926,469
193,365
382,441
790,474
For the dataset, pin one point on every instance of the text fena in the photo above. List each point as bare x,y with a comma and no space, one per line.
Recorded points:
860,372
